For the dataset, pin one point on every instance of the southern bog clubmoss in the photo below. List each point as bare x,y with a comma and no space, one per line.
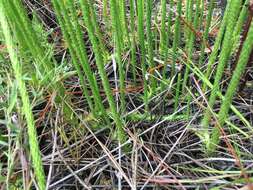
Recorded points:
141,38
27,109
43,63
99,61
232,15
119,31
232,87
133,68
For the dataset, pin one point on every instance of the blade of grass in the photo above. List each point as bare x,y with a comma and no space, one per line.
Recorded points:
178,90
19,19
169,32
202,10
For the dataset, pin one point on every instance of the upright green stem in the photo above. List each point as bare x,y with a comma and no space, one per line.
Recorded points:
118,34
99,62
105,15
19,18
225,53
169,33
239,70
32,134
133,40
168,36
177,96
239,25
163,37
97,29
202,10
68,33
27,38
82,55
190,44
189,12
217,45
176,36
150,41
206,32
140,9
123,23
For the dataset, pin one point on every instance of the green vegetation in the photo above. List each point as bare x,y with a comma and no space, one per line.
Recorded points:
240,67
121,94
99,61
232,15
32,134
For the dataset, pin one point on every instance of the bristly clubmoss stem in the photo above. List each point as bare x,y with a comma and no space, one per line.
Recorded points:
224,56
150,42
121,135
27,108
232,87
177,35
133,40
117,33
140,12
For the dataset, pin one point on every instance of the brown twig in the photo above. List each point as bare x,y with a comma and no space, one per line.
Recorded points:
197,33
